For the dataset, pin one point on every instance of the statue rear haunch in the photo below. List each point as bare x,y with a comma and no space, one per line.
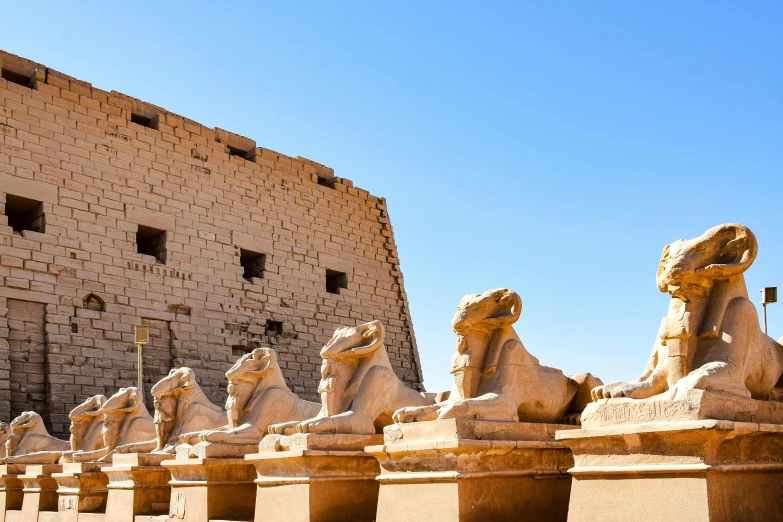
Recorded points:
710,338
359,389
495,377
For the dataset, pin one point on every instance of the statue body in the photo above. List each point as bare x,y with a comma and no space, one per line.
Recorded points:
710,339
359,389
257,397
495,377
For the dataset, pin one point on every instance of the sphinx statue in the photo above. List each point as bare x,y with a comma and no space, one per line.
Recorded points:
257,397
181,412
495,377
710,338
29,435
125,420
86,423
359,389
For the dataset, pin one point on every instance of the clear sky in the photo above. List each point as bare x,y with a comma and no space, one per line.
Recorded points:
552,150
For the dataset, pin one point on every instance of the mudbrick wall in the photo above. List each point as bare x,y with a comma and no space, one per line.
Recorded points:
115,212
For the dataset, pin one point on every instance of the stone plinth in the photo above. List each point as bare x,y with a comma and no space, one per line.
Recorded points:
470,470
688,470
316,477
40,492
11,494
81,488
211,488
138,485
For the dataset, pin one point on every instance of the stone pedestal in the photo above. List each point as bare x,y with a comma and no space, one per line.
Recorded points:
81,488
11,492
211,489
470,470
633,463
40,493
138,485
316,477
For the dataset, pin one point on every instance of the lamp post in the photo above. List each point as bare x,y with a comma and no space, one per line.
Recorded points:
769,295
142,337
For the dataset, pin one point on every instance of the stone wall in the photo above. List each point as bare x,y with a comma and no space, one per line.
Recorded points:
127,214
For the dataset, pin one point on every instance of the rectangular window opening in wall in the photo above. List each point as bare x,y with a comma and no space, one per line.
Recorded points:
246,154
240,350
335,281
150,123
25,214
274,328
152,242
326,182
253,263
17,78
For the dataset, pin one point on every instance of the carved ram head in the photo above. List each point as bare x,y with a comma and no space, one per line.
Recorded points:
487,312
243,378
166,396
340,359
689,268
27,421
126,401
82,417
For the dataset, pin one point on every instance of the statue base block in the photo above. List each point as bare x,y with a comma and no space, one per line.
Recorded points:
689,471
471,470
138,486
11,494
211,489
316,477
40,492
81,488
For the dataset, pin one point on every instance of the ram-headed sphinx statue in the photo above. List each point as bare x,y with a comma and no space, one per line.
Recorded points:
495,377
257,397
359,389
710,338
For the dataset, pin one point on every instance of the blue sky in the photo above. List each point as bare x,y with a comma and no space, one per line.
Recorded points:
551,149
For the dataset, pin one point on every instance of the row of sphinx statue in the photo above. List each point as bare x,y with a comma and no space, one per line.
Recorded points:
709,339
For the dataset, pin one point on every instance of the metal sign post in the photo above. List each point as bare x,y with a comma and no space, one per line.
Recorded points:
769,295
142,337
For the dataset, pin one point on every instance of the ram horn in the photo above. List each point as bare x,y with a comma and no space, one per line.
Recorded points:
738,243
512,304
376,334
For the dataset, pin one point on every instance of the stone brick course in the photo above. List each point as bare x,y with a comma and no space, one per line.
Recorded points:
102,164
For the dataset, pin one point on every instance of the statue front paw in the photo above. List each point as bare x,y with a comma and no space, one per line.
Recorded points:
213,436
454,410
416,414
633,390
322,425
283,428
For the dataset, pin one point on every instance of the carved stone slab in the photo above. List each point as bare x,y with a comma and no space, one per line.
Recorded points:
696,405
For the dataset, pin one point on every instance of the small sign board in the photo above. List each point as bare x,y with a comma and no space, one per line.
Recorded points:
142,334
